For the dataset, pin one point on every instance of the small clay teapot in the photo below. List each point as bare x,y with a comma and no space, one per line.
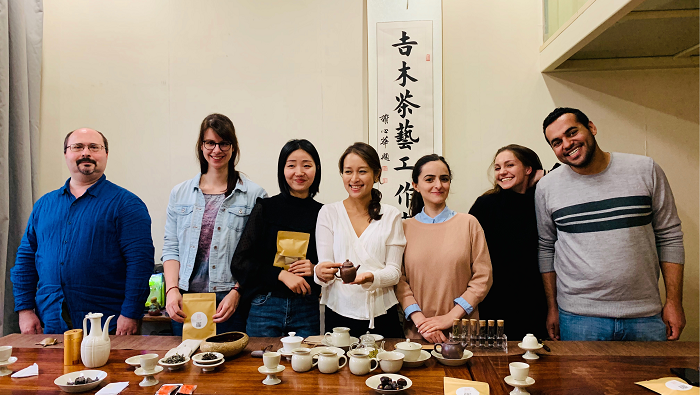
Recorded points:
450,349
348,272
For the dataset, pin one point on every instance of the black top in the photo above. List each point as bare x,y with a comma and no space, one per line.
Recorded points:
517,294
252,263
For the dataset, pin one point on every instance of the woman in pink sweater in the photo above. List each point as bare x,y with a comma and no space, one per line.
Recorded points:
447,268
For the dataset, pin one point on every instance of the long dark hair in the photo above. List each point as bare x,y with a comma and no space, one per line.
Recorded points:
525,155
370,156
417,202
223,127
291,146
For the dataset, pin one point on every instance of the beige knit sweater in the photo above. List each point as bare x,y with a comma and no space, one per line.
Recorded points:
441,263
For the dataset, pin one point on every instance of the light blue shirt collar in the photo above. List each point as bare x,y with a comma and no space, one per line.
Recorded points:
442,217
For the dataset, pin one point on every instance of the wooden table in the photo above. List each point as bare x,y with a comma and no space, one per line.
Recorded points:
570,368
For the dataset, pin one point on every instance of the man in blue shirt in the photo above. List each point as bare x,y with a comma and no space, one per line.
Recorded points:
87,248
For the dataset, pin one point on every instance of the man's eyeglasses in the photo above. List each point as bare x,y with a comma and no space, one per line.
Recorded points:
224,145
78,147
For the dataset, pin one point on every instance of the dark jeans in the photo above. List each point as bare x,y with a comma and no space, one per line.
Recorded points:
386,324
234,323
272,316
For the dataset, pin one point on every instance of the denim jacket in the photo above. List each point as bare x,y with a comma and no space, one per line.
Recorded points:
183,224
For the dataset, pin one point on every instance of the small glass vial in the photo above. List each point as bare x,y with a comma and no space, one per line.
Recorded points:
473,333
501,340
482,334
491,339
465,333
456,334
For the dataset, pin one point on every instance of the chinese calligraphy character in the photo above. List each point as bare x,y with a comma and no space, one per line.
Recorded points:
404,75
385,131
384,118
404,215
384,141
404,104
385,156
405,46
403,164
404,137
406,191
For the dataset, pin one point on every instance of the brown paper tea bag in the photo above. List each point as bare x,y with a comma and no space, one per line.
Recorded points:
199,309
670,386
291,247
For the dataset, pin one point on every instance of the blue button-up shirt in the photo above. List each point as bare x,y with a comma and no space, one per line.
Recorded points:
444,215
94,252
184,224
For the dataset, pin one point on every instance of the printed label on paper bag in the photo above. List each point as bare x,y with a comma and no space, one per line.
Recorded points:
199,320
678,386
467,391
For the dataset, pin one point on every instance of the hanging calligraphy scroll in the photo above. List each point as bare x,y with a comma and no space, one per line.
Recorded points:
405,93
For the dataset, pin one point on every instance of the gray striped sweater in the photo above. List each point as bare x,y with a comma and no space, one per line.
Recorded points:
605,234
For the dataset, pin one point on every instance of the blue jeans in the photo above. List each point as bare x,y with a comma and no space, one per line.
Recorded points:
585,328
235,323
272,316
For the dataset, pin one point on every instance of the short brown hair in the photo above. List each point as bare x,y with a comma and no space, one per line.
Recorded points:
104,140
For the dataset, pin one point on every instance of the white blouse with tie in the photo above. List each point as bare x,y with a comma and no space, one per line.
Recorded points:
379,250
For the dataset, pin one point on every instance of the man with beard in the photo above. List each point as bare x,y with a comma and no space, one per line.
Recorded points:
607,225
87,248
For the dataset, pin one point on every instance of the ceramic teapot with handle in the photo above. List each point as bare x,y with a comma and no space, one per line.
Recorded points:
94,350
450,349
348,271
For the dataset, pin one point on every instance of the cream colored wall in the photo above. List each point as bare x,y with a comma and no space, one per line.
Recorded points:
146,73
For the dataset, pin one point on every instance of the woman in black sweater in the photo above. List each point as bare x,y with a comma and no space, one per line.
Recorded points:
507,215
282,300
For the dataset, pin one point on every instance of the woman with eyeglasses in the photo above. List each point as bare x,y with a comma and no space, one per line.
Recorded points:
205,219
283,299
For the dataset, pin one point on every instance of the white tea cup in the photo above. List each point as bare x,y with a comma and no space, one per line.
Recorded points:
530,341
148,362
390,361
519,370
271,360
339,338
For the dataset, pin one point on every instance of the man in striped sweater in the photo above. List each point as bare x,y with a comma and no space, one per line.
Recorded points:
607,226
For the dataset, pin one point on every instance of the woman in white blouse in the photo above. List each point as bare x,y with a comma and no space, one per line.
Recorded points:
369,234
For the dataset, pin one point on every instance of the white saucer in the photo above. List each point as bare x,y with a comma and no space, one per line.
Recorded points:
518,384
4,371
265,370
336,350
452,362
134,361
9,361
141,372
271,378
148,380
352,340
530,354
207,367
424,356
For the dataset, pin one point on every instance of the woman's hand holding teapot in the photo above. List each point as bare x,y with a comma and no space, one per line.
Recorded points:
363,278
325,271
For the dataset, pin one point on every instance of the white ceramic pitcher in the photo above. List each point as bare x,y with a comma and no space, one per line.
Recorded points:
94,350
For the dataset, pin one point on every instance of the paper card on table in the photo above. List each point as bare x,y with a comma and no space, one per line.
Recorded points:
113,388
32,370
455,386
670,386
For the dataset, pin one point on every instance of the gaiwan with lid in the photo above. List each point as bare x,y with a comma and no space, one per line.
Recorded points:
291,342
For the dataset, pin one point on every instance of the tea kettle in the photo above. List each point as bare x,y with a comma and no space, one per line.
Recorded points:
95,347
